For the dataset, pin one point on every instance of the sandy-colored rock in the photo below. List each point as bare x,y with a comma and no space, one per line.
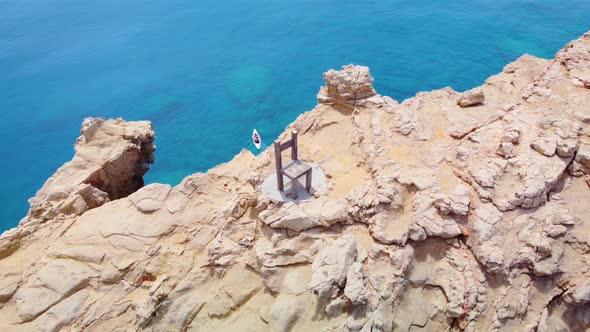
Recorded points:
471,98
356,290
330,267
306,215
63,313
150,198
579,295
511,135
284,312
545,145
566,148
434,216
460,201
506,150
388,229
428,217
346,86
51,284
583,155
111,158
219,305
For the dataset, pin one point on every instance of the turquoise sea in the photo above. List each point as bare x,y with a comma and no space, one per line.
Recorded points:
207,72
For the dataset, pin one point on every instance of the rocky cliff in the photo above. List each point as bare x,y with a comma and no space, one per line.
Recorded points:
448,211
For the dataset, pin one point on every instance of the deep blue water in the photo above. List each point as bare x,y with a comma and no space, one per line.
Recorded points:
207,72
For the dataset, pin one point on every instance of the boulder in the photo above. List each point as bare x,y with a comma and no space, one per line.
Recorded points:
471,97
545,145
459,200
511,134
566,147
240,202
506,150
347,85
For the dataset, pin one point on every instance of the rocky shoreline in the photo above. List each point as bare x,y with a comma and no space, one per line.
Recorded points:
448,211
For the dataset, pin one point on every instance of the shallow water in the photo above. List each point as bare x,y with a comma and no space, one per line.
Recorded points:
207,72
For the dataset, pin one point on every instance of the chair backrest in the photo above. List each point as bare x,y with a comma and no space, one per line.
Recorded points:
280,147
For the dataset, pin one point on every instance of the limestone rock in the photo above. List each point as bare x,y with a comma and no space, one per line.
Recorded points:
289,216
157,294
566,148
545,145
427,216
388,229
239,204
306,215
8,285
583,155
487,172
150,198
347,86
511,135
219,305
222,251
284,312
355,289
460,200
574,58
471,98
63,313
486,251
50,285
111,158
579,295
423,224
506,150
287,252
330,267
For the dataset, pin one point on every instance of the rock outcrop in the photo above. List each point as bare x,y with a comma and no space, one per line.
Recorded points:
347,86
447,211
111,158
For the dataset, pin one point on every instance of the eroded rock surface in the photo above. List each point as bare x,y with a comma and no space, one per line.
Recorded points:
472,97
447,211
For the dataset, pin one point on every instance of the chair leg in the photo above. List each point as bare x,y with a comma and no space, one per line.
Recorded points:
294,183
279,165
308,180
280,184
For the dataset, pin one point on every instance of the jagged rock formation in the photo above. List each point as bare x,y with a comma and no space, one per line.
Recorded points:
448,211
111,158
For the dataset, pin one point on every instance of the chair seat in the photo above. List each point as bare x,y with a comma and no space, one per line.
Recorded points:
295,169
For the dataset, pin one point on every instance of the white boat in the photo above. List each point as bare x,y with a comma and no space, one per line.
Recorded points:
256,139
